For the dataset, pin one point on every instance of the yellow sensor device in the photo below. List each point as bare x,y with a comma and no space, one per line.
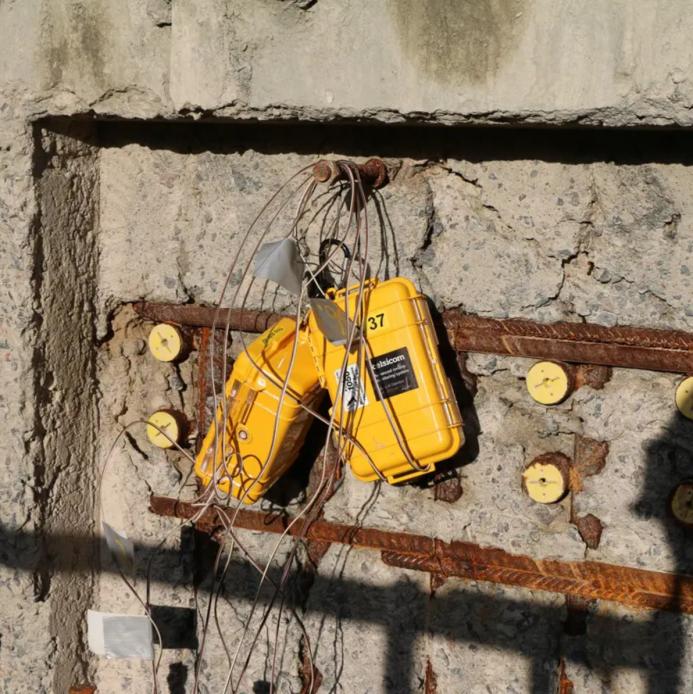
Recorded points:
263,431
395,401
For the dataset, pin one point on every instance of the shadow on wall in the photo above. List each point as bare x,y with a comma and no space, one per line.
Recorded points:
405,614
669,461
402,610
419,142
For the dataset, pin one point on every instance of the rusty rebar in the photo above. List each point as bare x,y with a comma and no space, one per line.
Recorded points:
197,316
565,685
589,458
592,375
202,359
586,579
430,679
447,487
577,343
628,347
373,173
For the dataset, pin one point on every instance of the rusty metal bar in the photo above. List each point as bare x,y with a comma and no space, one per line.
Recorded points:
319,530
372,173
198,316
201,414
565,685
587,579
582,343
628,347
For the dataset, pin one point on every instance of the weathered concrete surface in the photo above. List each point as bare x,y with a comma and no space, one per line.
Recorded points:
91,220
65,289
501,238
529,61
133,385
26,640
49,401
198,204
70,57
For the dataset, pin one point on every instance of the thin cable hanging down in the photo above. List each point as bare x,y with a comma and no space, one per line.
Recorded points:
237,463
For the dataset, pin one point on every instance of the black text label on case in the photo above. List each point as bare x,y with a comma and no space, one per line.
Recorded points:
393,373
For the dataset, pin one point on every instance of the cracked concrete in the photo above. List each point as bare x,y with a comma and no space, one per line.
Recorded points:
542,218
504,223
477,212
537,67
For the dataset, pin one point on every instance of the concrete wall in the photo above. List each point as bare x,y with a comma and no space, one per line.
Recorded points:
97,212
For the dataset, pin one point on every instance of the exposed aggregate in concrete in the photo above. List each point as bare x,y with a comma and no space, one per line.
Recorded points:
88,227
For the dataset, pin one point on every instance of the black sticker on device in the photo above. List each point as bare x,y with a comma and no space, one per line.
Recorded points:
393,373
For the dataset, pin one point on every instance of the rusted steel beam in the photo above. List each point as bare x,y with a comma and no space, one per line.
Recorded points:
430,679
320,530
203,358
198,316
628,347
373,173
565,685
587,579
580,343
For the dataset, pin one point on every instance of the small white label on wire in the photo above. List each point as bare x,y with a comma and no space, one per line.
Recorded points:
281,262
121,547
120,635
332,321
353,391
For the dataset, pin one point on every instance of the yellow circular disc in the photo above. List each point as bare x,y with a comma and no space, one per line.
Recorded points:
548,383
165,342
682,503
544,483
163,429
684,397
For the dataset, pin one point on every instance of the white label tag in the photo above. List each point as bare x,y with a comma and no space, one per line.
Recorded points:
332,321
121,547
280,261
353,391
120,635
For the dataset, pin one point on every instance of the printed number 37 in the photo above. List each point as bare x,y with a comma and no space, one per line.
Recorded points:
376,321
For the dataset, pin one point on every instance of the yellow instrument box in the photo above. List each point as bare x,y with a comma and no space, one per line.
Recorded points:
248,458
396,401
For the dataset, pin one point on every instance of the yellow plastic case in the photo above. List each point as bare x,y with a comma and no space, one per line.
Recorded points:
403,358
253,407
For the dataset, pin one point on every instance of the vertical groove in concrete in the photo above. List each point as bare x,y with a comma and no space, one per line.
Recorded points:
65,276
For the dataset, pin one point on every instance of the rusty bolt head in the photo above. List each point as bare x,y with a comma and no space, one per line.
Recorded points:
592,375
375,171
590,529
447,487
324,171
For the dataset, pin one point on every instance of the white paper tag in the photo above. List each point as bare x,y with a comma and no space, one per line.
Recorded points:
332,321
353,391
120,635
121,547
281,262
